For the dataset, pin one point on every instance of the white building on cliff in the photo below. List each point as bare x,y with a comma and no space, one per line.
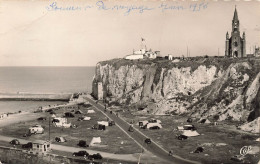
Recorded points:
143,53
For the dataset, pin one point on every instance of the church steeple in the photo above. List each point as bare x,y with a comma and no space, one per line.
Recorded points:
235,18
235,22
235,44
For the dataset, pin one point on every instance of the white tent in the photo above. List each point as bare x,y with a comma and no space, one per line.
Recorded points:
86,118
91,111
95,140
53,116
103,123
180,128
150,125
190,133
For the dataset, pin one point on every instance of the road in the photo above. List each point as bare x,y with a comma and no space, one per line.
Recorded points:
139,137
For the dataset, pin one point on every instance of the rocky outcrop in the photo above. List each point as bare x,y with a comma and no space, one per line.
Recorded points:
219,88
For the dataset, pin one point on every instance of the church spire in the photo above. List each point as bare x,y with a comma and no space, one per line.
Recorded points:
227,36
235,18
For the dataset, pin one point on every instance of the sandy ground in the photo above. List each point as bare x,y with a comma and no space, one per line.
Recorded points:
18,117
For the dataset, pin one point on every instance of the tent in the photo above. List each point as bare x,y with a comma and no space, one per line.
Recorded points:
103,123
53,116
91,111
180,128
190,133
86,118
204,121
153,125
78,112
95,140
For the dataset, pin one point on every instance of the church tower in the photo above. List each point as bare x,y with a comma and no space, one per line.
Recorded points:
235,45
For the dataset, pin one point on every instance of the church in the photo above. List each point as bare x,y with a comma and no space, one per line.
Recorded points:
235,45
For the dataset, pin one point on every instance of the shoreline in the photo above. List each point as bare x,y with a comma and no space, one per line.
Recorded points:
35,96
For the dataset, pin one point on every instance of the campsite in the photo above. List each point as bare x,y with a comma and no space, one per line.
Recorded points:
205,132
111,138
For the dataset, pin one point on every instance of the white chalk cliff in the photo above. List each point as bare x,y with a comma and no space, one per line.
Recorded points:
217,88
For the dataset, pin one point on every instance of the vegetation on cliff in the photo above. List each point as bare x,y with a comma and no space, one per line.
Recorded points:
210,87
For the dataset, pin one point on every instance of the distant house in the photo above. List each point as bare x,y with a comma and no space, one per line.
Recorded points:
41,146
143,53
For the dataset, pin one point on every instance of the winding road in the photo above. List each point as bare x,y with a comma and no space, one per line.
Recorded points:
139,137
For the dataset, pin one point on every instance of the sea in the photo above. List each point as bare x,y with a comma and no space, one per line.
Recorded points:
42,80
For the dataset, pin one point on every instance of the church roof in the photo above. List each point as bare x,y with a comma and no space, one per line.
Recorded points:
235,15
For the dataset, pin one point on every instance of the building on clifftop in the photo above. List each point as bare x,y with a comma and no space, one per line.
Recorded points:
235,45
143,53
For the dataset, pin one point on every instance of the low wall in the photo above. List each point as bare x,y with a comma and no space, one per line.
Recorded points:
34,97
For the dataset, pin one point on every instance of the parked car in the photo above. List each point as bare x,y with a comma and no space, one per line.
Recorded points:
148,141
27,134
49,110
68,114
28,145
154,127
80,118
95,156
99,127
55,120
41,118
182,137
110,123
15,142
83,143
81,153
189,127
60,139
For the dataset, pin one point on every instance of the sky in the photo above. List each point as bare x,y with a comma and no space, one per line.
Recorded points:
52,33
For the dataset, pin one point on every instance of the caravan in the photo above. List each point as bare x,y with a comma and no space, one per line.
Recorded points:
37,129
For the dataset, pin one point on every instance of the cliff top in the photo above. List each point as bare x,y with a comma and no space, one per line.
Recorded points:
193,62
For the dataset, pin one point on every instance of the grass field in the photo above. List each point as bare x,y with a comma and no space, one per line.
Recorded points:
209,136
113,139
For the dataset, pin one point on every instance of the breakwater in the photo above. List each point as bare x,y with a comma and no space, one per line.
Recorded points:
34,97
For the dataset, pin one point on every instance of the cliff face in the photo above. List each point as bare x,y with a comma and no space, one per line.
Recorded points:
202,87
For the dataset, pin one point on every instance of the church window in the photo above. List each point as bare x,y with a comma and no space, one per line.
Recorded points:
235,44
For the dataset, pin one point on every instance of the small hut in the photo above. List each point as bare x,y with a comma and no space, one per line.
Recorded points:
41,146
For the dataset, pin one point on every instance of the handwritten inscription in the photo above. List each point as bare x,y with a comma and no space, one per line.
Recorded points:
127,9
